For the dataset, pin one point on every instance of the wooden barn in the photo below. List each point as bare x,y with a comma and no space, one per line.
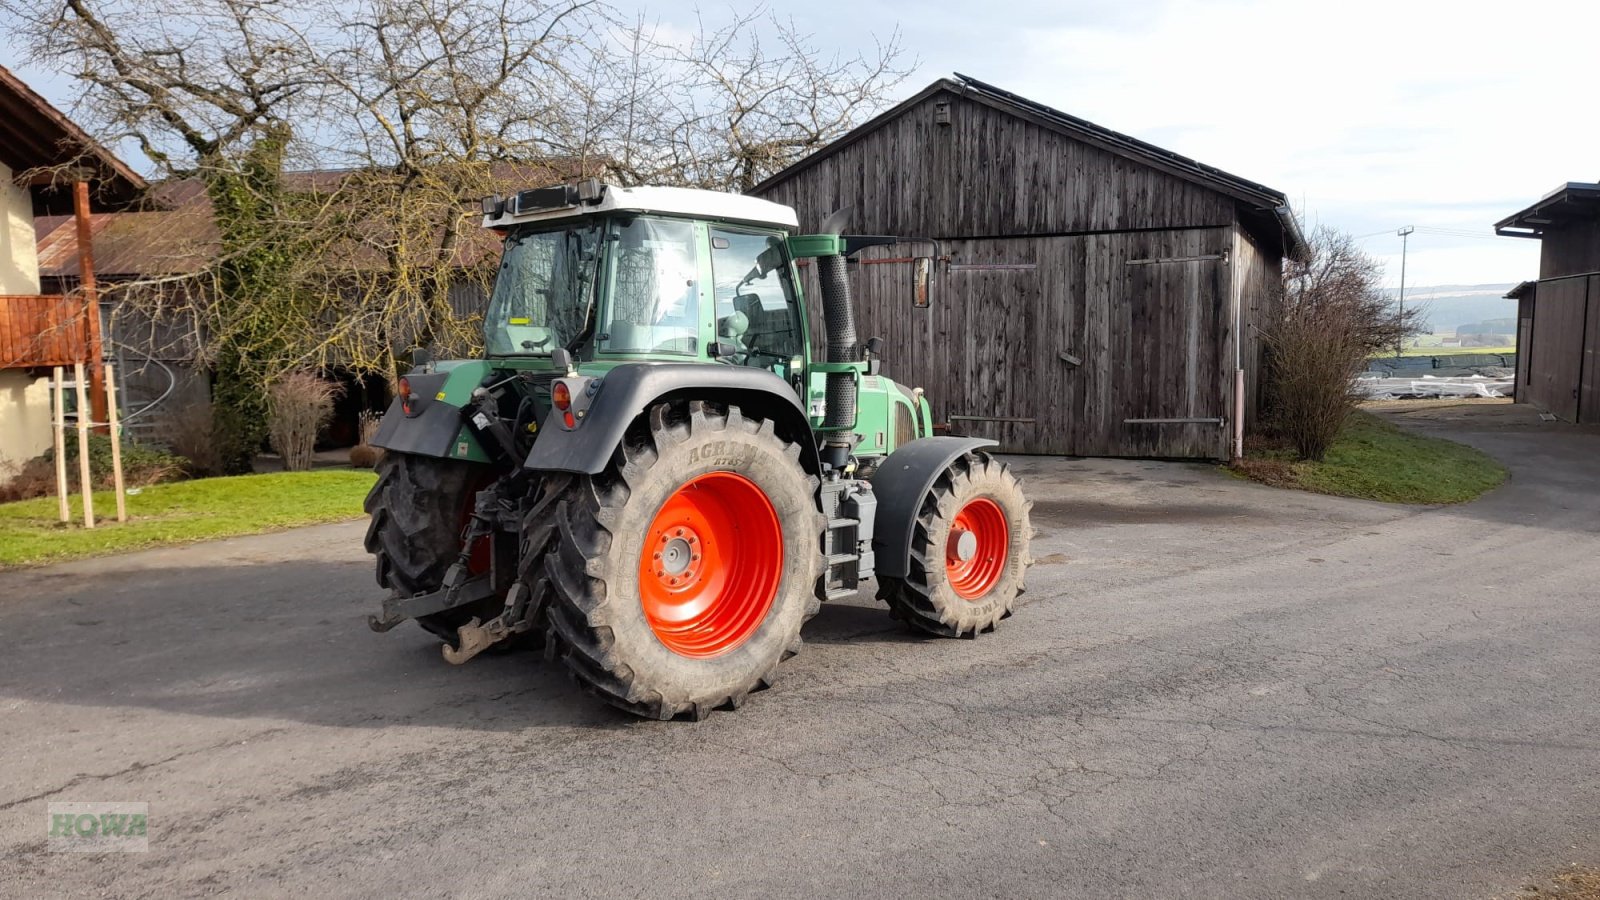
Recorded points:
1558,316
1092,294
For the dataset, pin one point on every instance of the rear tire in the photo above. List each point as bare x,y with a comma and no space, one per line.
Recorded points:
680,576
969,551
419,508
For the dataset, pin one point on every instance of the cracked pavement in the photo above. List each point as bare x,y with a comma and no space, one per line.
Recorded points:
1211,689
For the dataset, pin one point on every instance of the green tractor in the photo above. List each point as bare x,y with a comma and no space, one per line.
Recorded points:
652,476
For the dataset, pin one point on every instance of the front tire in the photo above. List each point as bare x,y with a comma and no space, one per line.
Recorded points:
969,551
680,576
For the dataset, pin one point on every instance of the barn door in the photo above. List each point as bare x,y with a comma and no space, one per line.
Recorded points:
1157,324
987,306
1556,368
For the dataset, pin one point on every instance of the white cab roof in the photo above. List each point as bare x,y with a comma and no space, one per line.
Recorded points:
671,201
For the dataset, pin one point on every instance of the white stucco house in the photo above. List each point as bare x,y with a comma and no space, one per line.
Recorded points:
44,156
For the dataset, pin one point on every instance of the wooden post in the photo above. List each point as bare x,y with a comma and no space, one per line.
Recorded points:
58,391
85,482
116,442
91,300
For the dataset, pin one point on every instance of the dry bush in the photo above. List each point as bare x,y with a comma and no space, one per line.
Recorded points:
191,432
299,405
363,455
1332,316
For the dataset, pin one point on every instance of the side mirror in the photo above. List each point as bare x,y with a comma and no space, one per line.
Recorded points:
922,275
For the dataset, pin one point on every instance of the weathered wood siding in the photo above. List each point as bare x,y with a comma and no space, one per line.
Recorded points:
1069,336
1519,387
1557,364
1589,375
1573,248
1259,277
1081,288
990,173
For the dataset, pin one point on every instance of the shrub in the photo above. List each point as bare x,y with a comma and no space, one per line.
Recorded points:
299,404
363,455
191,432
140,466
1331,317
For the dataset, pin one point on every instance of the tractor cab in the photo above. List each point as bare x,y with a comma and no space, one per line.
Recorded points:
627,274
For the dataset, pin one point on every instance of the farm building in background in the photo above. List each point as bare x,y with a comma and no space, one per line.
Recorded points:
1558,316
48,167
1095,295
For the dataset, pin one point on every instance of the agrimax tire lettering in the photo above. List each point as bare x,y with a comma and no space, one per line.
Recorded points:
722,454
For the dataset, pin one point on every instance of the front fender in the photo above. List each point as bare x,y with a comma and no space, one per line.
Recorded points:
900,483
628,390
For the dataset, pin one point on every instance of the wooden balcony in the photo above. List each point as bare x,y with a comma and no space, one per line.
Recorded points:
41,330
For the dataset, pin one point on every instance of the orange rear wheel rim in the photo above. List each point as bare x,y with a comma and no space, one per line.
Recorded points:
975,554
709,570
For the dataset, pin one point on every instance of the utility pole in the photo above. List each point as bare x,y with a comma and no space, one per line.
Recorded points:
1400,339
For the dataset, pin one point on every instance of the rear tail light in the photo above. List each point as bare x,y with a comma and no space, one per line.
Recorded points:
404,389
571,397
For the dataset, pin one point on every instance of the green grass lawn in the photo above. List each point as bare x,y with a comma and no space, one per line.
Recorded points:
1375,460
1447,351
181,512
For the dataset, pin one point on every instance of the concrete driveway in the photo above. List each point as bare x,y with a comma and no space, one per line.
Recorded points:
1212,689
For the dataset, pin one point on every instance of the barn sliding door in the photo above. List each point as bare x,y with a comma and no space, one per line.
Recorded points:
1155,333
1066,345
1556,365
985,311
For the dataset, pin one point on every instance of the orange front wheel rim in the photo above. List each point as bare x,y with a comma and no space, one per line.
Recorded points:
709,570
975,554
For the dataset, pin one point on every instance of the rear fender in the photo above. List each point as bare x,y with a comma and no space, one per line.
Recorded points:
435,426
628,391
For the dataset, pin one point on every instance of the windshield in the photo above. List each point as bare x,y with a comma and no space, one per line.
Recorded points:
543,292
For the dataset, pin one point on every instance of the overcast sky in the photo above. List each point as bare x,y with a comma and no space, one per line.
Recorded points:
1369,114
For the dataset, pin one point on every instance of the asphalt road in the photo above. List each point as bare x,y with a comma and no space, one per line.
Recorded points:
1213,689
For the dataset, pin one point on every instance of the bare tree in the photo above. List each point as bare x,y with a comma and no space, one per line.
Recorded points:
1332,317
424,106
728,105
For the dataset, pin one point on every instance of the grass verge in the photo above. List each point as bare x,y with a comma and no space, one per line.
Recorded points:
181,512
1447,351
1374,460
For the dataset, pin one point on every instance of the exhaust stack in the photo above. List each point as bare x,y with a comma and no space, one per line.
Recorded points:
839,316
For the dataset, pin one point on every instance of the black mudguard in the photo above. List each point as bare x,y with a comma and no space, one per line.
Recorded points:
628,390
900,483
432,428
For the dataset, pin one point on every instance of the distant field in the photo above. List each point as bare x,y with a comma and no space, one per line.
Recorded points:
1448,351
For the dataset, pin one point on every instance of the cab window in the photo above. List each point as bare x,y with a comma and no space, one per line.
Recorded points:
655,289
754,294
